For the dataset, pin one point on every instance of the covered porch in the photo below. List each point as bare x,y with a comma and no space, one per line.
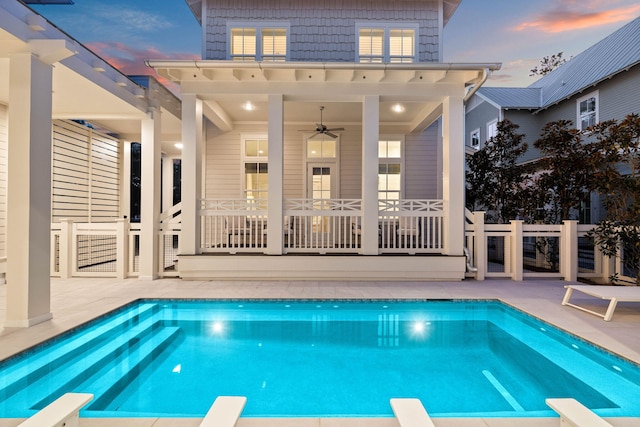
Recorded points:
334,160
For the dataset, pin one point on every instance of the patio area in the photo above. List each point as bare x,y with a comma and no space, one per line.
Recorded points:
75,301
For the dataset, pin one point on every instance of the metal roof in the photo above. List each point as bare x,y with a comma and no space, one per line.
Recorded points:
611,55
513,97
615,53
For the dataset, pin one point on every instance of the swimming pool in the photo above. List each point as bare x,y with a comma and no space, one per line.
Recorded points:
168,358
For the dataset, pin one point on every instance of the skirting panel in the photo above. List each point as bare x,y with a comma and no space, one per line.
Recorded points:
322,267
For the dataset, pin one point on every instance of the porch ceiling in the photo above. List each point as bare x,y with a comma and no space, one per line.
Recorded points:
226,86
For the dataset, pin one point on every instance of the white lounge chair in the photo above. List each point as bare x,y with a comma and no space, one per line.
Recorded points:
614,294
64,411
575,414
410,413
224,412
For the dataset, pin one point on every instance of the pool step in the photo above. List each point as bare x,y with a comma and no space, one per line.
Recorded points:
67,378
111,383
29,370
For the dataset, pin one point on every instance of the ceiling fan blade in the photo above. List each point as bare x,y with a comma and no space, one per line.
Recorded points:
335,129
332,135
315,134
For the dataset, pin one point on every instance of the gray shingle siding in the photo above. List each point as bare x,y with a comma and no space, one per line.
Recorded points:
323,30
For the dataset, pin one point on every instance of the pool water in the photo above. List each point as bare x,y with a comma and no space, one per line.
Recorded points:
167,358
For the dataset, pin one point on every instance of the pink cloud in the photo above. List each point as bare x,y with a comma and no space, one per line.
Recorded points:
576,16
131,61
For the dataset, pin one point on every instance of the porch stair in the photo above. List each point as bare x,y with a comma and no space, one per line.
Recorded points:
322,267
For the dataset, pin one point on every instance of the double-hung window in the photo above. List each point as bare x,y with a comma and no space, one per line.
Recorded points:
475,139
256,168
389,169
386,43
587,114
264,41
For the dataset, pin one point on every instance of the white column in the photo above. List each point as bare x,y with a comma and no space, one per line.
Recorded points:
453,174
192,136
370,137
480,247
516,254
29,191
150,195
167,182
569,250
276,161
125,179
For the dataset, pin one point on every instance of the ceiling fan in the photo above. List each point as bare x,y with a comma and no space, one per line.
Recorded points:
321,128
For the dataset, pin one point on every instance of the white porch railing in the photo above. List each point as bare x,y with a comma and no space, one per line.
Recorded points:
322,226
517,250
233,225
411,226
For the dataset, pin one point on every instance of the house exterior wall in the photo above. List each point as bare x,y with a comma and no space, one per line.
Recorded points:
422,157
223,163
478,117
324,30
530,127
620,95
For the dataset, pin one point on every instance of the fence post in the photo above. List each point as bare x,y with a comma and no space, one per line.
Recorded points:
122,248
66,248
516,250
569,251
480,245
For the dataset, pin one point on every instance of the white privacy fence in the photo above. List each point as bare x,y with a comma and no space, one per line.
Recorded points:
109,249
517,250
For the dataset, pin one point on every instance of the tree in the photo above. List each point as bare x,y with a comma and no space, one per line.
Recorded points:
618,178
548,64
494,181
566,175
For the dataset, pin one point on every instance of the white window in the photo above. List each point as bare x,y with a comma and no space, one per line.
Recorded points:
255,168
390,169
587,111
386,42
492,129
265,41
475,138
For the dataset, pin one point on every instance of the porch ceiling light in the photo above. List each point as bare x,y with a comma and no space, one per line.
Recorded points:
248,106
178,145
397,108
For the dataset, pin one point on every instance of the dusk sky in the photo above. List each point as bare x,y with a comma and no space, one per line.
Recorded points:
517,33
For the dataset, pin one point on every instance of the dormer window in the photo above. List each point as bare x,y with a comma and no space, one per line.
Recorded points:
386,43
264,41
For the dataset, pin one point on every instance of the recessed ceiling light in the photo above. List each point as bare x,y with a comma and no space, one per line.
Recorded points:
248,106
178,145
397,108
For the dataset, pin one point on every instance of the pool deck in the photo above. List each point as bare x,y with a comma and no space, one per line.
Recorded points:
76,301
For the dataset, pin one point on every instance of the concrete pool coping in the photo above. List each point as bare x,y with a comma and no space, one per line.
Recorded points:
75,301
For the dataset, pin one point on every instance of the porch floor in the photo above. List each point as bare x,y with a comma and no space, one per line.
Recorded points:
75,301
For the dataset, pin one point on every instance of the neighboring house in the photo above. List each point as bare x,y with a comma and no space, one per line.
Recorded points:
601,83
325,129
